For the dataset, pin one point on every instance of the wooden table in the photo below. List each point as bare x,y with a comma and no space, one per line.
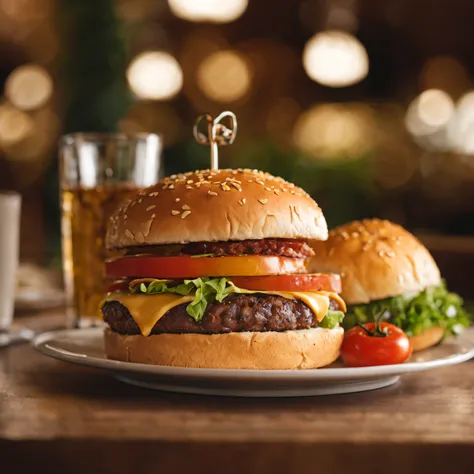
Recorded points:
65,419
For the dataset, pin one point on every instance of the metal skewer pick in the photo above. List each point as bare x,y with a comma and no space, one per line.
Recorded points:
217,133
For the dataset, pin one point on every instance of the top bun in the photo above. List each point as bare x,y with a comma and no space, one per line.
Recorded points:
376,259
218,205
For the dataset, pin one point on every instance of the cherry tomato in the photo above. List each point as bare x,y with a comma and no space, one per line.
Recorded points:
190,267
360,349
301,282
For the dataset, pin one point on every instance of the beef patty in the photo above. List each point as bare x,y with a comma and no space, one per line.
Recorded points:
237,313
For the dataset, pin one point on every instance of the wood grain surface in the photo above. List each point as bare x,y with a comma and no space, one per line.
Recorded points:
74,419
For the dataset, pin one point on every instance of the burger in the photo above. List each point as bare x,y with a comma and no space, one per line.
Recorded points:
387,273
213,274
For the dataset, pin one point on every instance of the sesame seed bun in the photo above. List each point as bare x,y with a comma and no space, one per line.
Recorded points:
220,205
426,339
376,259
304,349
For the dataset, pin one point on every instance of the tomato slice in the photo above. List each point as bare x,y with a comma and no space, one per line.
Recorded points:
302,282
189,267
360,349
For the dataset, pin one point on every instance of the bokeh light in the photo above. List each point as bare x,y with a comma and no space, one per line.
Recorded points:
29,87
15,125
225,76
429,112
335,131
335,59
435,108
215,11
461,128
155,75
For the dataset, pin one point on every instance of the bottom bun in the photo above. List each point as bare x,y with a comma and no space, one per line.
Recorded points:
426,339
302,349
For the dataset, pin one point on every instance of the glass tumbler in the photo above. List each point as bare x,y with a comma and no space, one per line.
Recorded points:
98,172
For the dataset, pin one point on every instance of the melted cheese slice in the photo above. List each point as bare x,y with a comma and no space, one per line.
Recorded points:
147,310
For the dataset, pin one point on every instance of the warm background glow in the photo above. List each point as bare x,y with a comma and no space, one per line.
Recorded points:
15,125
155,75
29,87
224,76
216,11
335,59
334,131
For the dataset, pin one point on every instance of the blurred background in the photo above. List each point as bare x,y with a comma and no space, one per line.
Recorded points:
368,105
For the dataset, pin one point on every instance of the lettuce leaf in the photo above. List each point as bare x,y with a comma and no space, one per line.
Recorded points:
332,319
206,290
432,307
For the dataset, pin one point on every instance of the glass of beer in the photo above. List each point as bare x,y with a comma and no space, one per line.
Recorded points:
98,172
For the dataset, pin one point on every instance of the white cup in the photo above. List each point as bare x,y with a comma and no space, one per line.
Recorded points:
10,208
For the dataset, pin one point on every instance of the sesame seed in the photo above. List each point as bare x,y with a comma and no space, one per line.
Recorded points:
236,186
242,201
171,186
259,181
276,192
129,234
153,216
140,200
234,171
173,176
206,182
185,214
177,200
154,194
331,251
190,181
263,201
185,207
149,208
225,187
284,190
250,181
125,217
212,193
198,185
189,187
381,253
355,234
175,213
267,189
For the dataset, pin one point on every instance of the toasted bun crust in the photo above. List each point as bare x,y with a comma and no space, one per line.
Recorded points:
221,205
426,339
305,349
376,259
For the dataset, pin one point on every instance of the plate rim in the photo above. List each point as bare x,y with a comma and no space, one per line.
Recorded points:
41,343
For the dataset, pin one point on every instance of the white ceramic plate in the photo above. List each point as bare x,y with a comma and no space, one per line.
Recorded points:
85,347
